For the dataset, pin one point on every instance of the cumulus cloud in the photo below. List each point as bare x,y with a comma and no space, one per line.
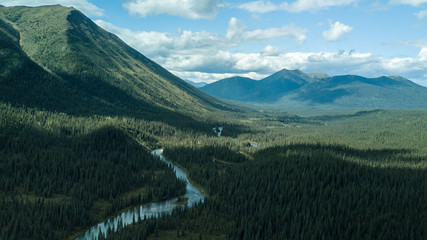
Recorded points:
336,31
237,31
333,63
204,56
421,14
235,27
213,77
414,3
189,43
423,54
82,5
289,32
262,6
270,51
160,44
191,9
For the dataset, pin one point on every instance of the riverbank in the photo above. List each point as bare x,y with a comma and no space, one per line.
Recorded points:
152,209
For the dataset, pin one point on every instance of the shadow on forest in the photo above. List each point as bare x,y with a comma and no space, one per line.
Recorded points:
87,98
368,156
344,116
319,120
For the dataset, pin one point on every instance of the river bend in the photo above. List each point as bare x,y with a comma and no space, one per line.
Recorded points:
148,210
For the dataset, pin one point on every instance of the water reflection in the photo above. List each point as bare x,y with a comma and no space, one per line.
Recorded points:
147,210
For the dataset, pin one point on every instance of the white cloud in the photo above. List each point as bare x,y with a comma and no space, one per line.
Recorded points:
333,63
213,77
421,14
189,43
270,51
423,54
235,27
192,9
262,6
82,5
204,56
313,5
289,32
237,31
336,31
161,45
414,3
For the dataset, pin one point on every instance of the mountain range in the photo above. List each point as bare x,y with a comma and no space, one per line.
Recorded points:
296,89
55,58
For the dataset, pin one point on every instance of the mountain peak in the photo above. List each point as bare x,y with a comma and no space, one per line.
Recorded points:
295,77
91,62
293,88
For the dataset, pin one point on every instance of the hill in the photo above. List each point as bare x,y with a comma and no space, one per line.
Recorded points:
295,89
266,90
55,58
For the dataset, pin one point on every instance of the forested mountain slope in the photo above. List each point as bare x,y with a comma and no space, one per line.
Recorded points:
295,89
54,51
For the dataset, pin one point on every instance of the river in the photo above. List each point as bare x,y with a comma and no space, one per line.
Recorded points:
149,209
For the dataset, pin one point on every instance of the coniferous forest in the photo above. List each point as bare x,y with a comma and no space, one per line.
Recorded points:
81,113
299,191
54,184
61,174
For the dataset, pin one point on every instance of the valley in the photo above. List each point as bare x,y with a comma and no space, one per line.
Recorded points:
303,156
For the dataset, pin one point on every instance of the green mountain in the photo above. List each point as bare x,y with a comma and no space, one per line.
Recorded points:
351,91
234,88
266,90
295,89
55,58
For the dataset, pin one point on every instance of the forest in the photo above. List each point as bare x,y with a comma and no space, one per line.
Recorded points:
298,191
346,175
81,113
53,185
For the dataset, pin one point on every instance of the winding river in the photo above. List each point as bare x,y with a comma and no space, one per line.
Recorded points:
149,209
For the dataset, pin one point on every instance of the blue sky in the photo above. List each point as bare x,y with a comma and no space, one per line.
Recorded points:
207,40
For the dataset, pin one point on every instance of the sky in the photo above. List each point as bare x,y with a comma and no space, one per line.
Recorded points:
208,40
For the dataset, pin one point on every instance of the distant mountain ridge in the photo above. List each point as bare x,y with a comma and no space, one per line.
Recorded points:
196,84
55,58
295,89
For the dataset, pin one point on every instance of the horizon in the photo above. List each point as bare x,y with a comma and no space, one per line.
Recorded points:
205,41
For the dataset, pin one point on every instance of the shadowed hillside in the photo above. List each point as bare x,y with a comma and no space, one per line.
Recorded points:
56,58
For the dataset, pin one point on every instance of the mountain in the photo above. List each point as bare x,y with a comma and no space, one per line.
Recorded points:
55,58
266,90
196,84
295,89
234,88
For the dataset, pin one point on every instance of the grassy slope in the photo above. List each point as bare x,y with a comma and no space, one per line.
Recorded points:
24,82
66,43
